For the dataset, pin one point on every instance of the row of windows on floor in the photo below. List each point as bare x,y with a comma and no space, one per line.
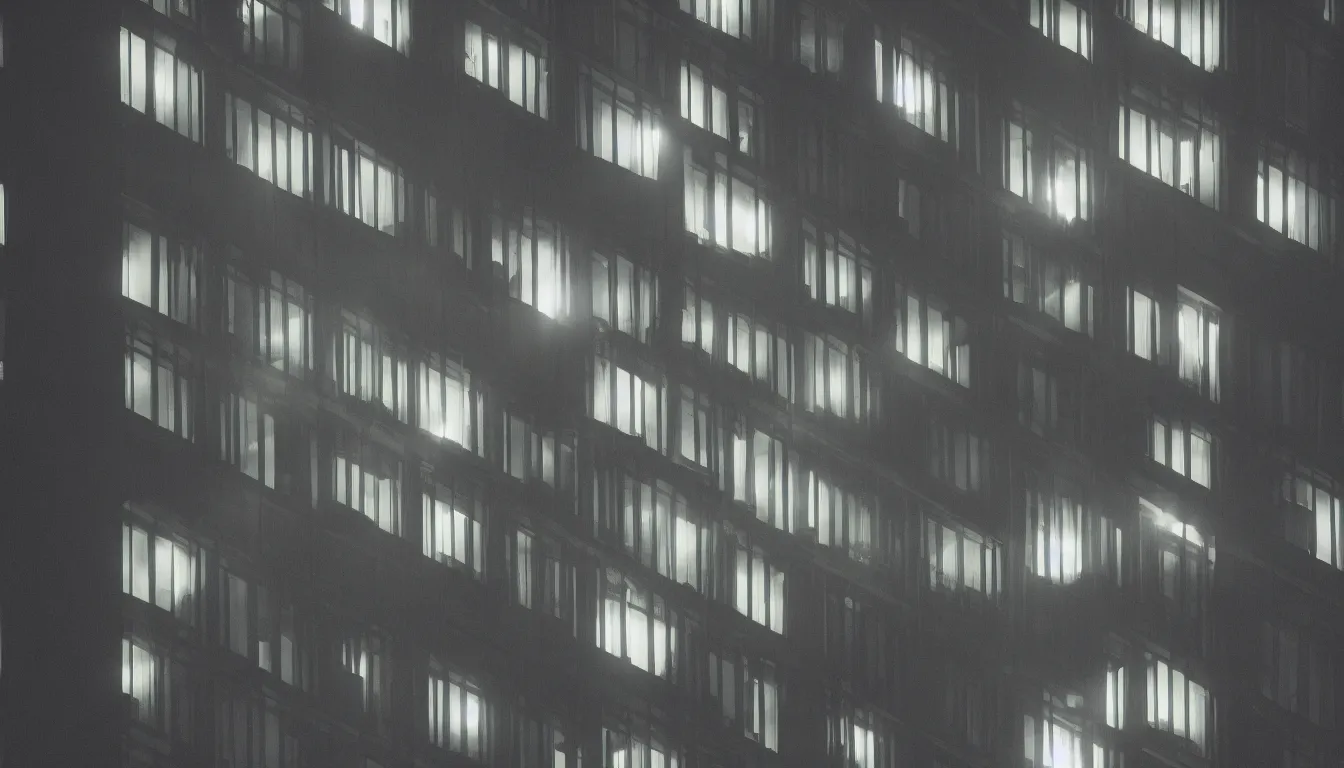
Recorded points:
1177,142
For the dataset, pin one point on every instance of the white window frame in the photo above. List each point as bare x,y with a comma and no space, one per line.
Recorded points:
449,406
162,570
1183,447
1176,704
453,529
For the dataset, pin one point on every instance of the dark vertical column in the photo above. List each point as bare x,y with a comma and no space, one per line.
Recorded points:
60,700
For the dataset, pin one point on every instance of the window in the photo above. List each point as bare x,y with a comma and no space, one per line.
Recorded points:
3,214
697,322
387,21
1177,704
1197,343
958,456
836,379
916,82
859,642
731,207
1297,672
533,453
160,385
1177,567
758,587
1065,539
534,253
1183,447
1055,287
273,321
928,334
366,185
624,296
161,570
449,406
747,694
235,613
635,625
1071,26
253,735
1055,740
541,579
282,640
1192,27
1047,171
1288,385
1145,325
759,472
172,8
615,125
1037,398
1330,10
364,655
761,350
838,272
656,525
458,718
861,739
540,743
1178,142
821,39
517,72
703,103
161,273
629,403
273,32
1115,696
841,517
369,482
274,142
453,529
247,438
159,687
446,226
961,561
367,366
699,435
743,19
155,81
1290,197
623,749
1312,515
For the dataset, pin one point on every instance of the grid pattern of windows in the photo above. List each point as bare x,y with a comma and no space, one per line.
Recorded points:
1192,27
1178,142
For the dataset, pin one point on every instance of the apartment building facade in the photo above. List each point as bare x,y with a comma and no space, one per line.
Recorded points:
671,383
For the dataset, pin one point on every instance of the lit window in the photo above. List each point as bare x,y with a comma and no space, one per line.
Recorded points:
929,334
625,750
1192,27
449,409
1055,740
363,184
156,82
160,273
273,32
915,82
1312,517
961,560
541,580
1145,326
452,529
1177,704
702,102
1048,172
861,740
387,21
726,209
517,72
758,588
745,19
274,142
697,424
367,366
364,656
697,322
837,271
624,295
759,472
1289,197
1055,287
4,210
655,524
172,7
617,126
1064,538
1197,343
369,482
458,719
159,385
635,625
1177,566
836,379
535,255
762,351
821,39
1176,142
274,322
161,571
840,517
1067,24
1115,697
532,453
247,438
1183,447
629,403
